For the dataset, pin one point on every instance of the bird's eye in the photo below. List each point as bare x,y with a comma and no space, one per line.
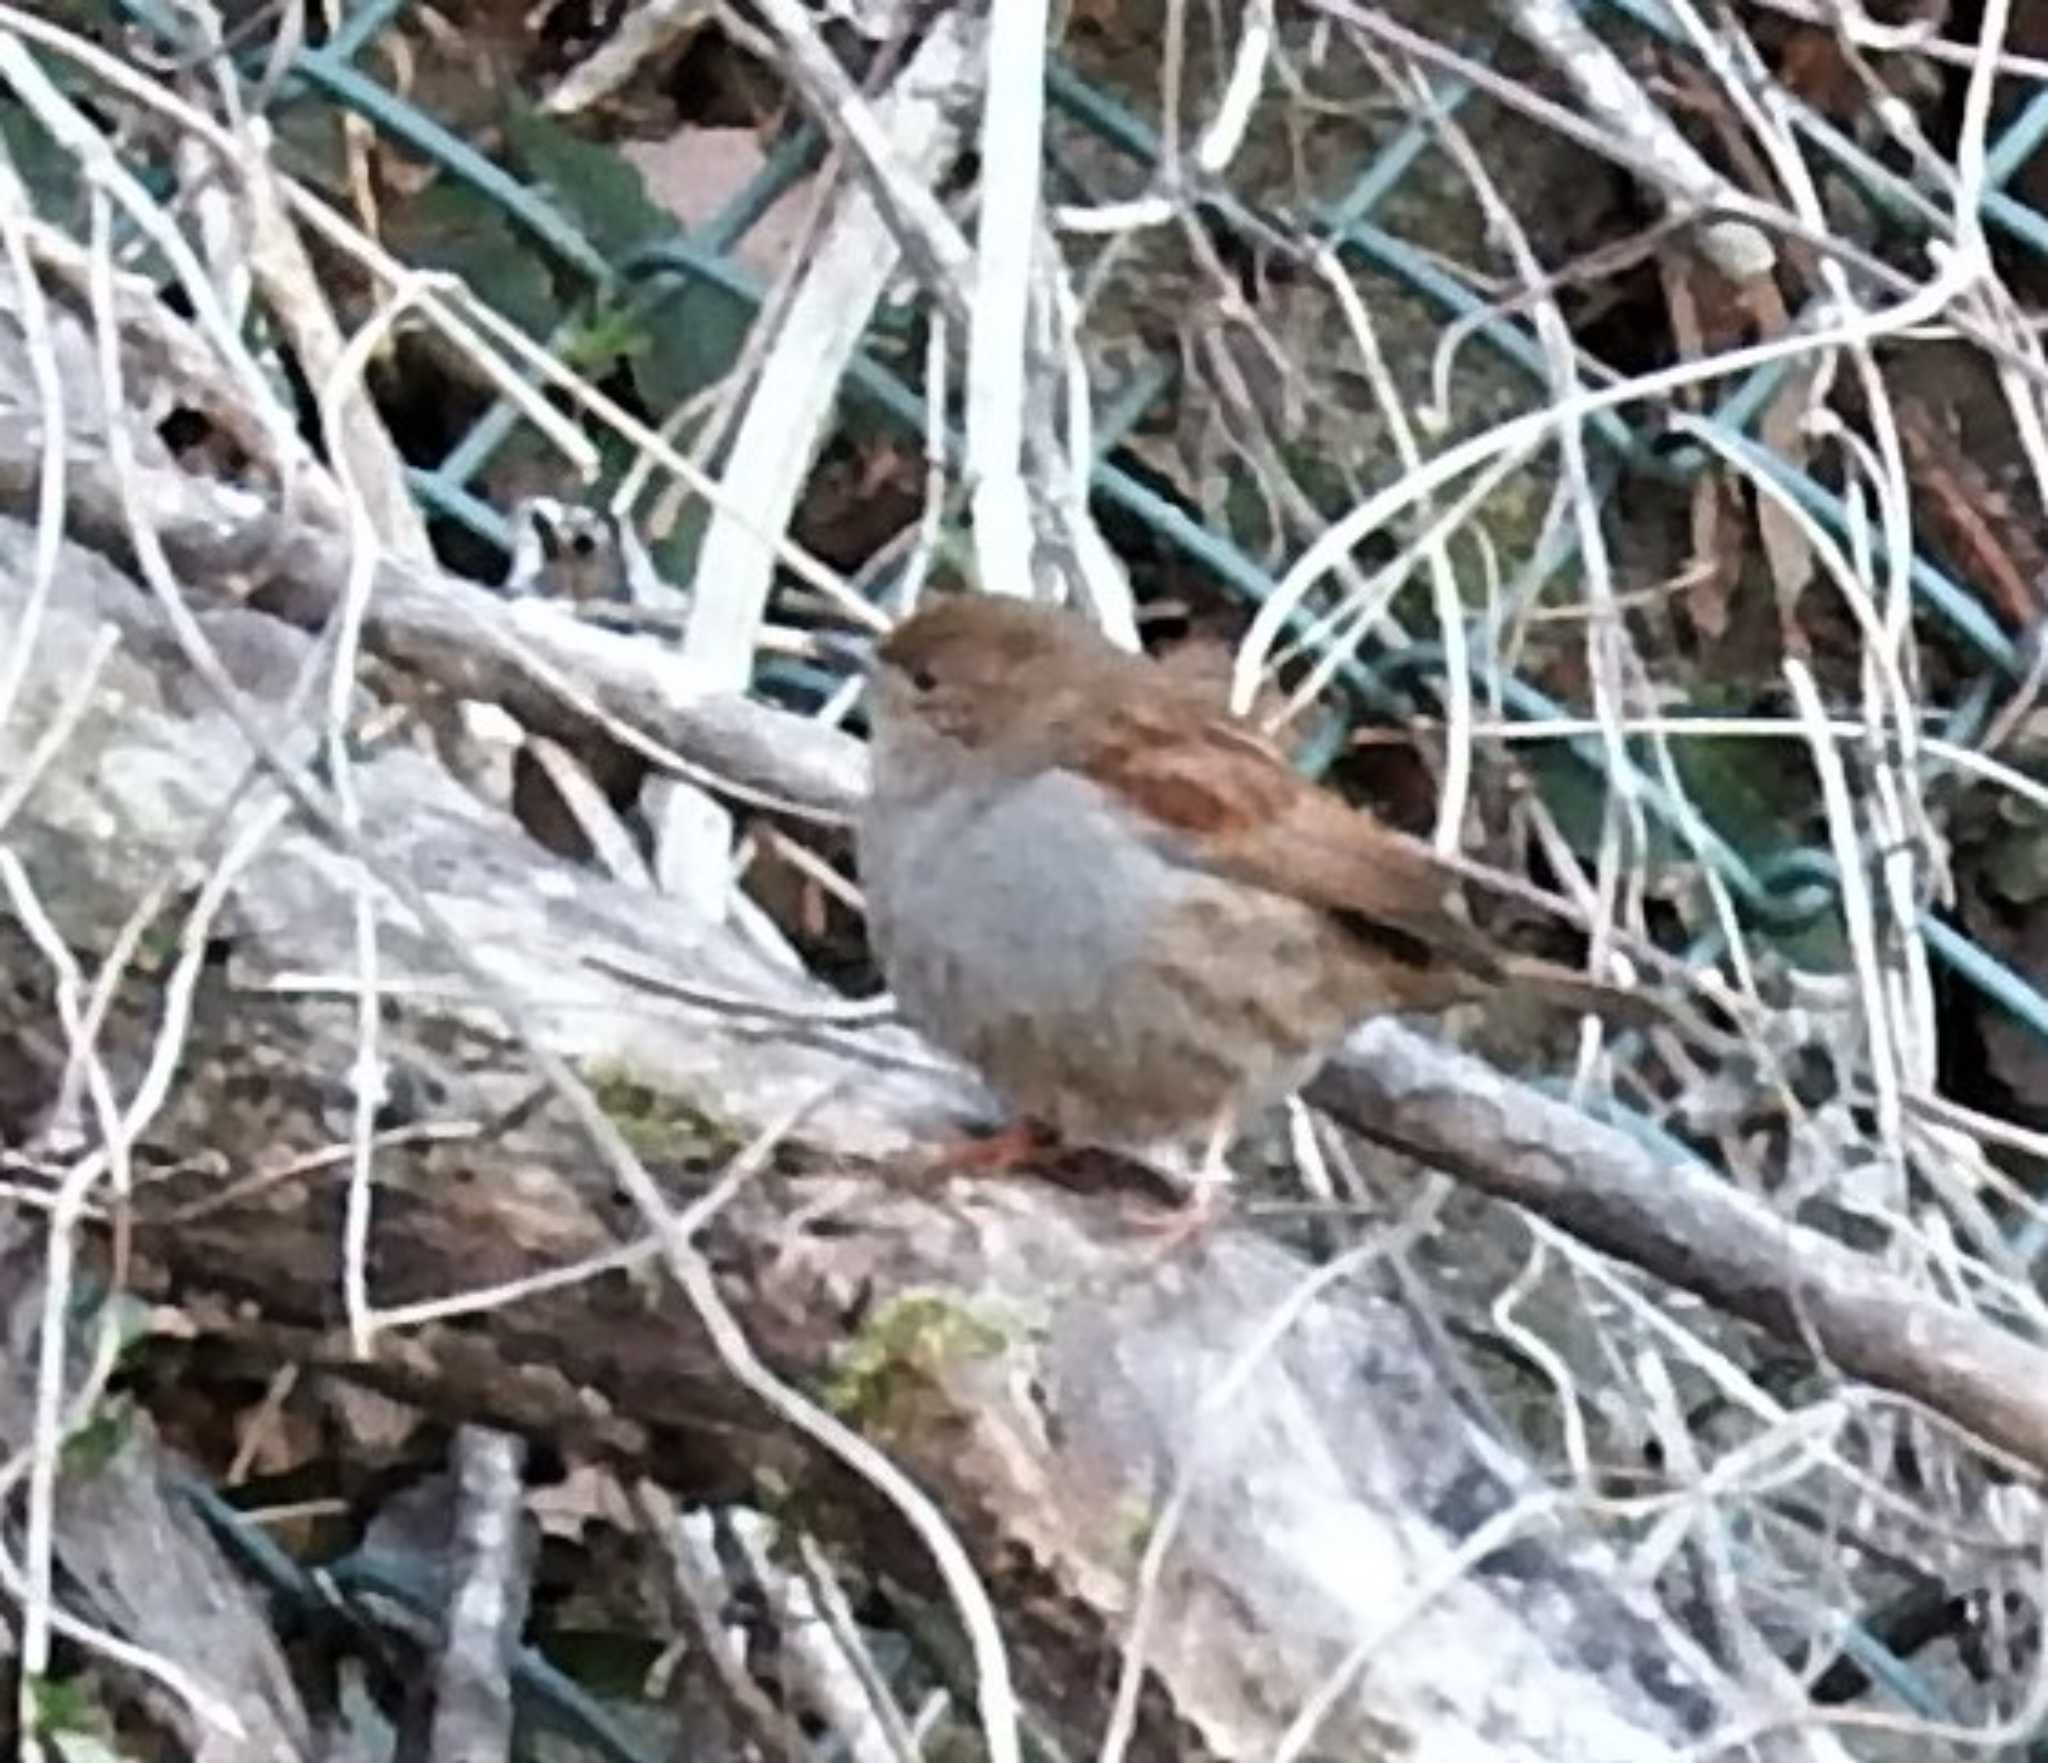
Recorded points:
923,678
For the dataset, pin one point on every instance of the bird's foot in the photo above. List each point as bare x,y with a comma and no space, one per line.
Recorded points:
1202,1183
1203,1206
1002,1152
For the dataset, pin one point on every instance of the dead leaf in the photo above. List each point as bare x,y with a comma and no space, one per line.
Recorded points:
586,1494
1788,553
697,171
1986,538
1716,562
374,1421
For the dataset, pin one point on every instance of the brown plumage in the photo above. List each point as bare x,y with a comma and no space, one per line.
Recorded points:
1120,904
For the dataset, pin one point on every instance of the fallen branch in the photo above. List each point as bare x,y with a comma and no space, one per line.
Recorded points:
1680,1221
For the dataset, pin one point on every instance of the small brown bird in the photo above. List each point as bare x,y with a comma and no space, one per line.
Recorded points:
1119,904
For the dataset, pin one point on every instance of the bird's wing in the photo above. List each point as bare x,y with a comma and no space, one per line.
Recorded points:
1227,802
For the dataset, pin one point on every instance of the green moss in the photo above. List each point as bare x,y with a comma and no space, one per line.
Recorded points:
661,1127
1136,1519
95,1444
66,1705
902,1348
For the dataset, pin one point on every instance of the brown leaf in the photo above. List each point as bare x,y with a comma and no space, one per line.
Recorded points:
696,171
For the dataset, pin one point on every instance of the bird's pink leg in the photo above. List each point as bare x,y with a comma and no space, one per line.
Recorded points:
997,1153
1207,1185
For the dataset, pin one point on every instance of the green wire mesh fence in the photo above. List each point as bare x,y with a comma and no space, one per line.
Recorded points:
655,274
1358,210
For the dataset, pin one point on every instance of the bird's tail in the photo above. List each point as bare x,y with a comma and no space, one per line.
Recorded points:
1565,988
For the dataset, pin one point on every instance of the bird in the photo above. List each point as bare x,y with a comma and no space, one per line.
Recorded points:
1120,905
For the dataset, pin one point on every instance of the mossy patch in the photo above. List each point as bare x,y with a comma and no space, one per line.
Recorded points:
662,1127
901,1350
94,1445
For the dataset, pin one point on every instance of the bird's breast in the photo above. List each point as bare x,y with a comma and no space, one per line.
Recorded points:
1094,981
